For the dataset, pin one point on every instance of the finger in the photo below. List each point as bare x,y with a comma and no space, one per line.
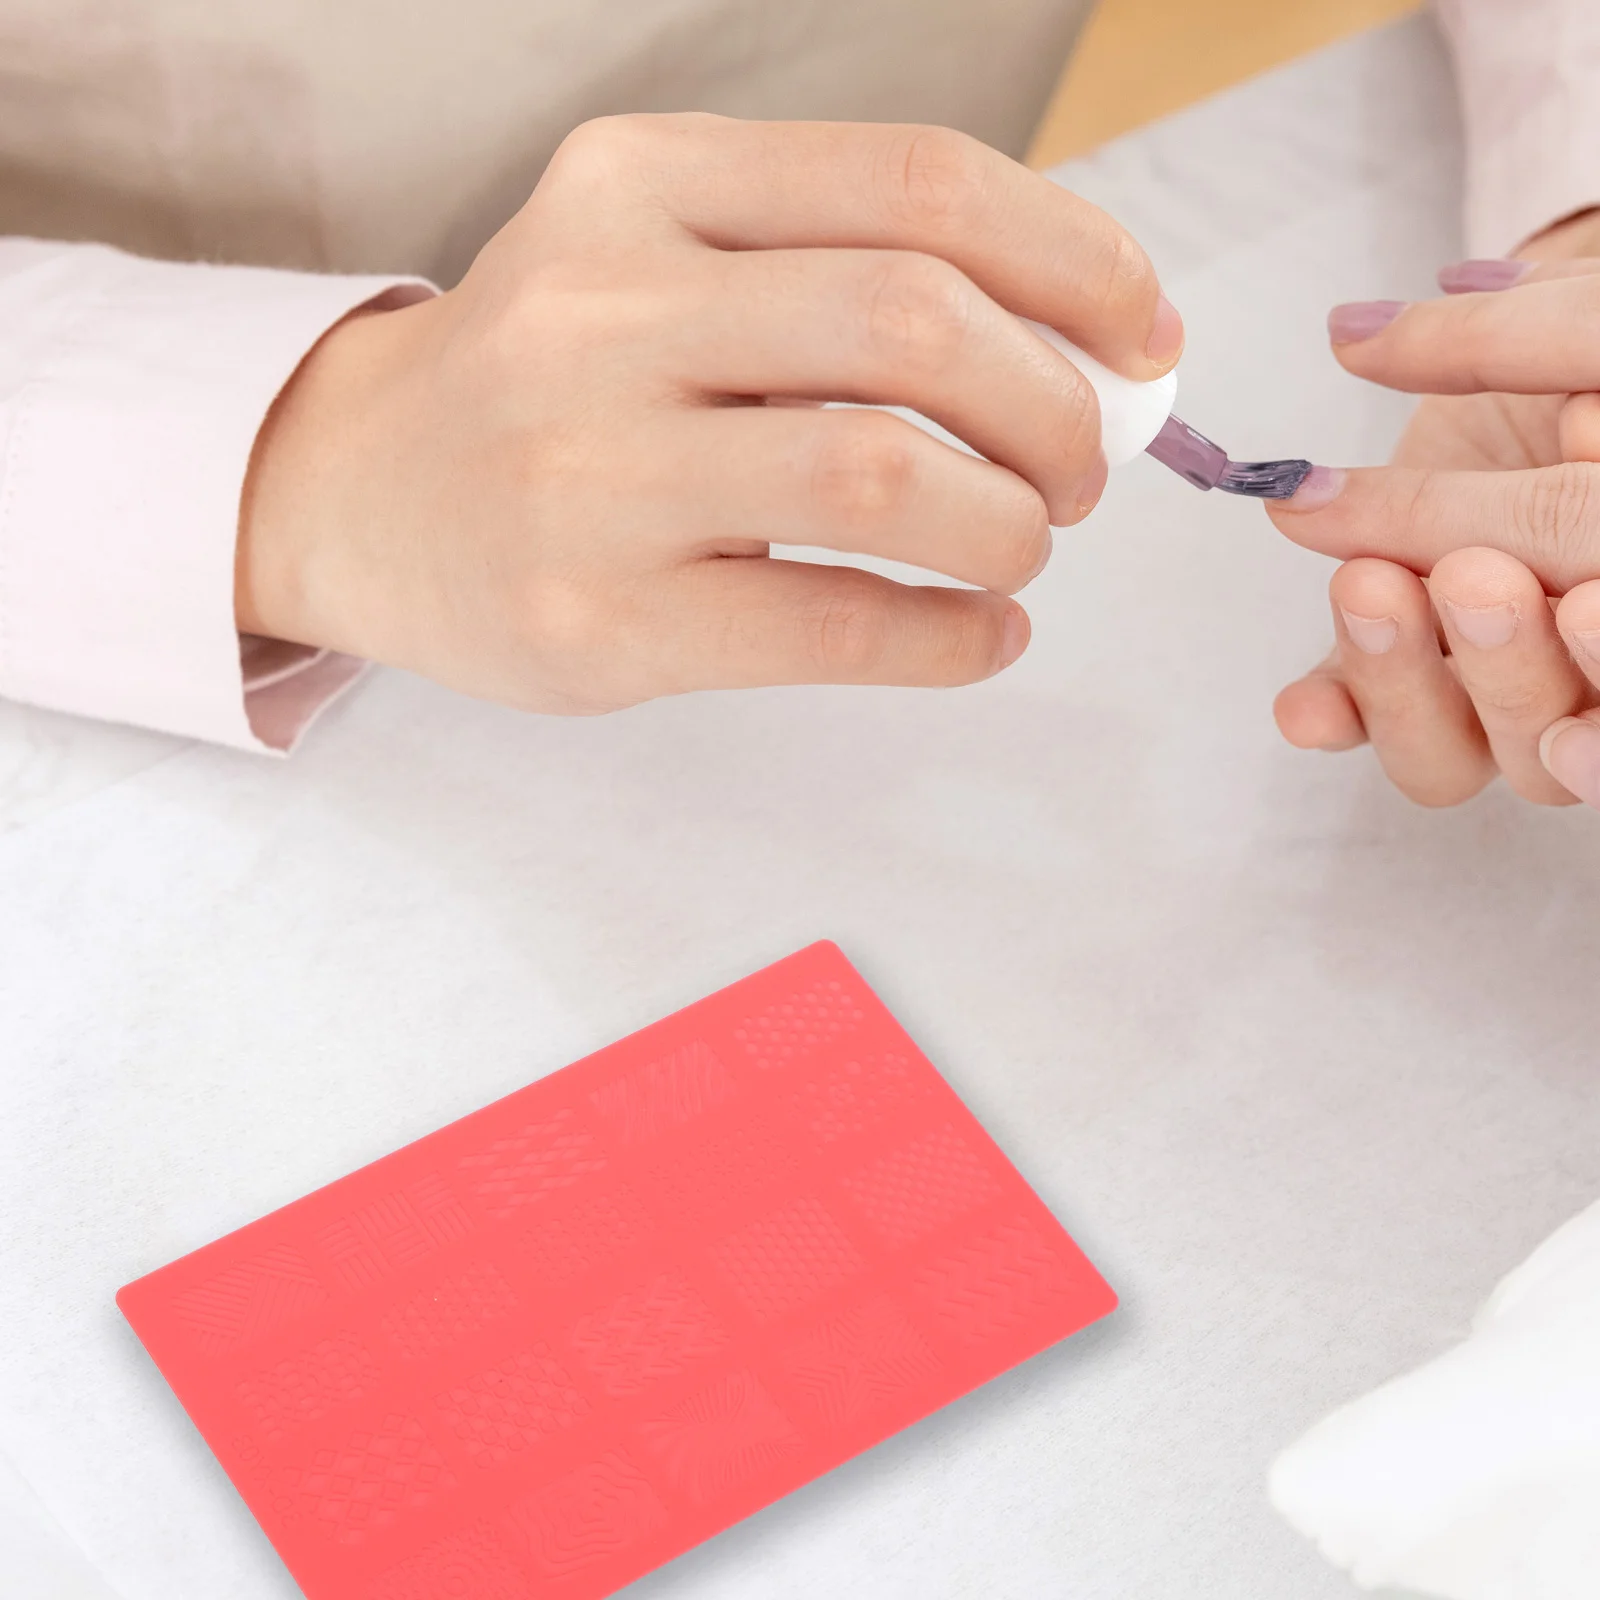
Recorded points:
861,481
1316,712
1571,751
1549,518
1578,618
1035,248
1511,661
1491,276
1579,428
1533,339
748,623
1416,713
893,327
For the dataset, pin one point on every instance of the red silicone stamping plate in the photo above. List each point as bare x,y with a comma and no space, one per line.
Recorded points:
555,1344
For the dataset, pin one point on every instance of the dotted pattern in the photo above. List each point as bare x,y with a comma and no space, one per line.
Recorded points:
650,1333
512,1405
533,1163
249,1300
362,1486
663,1094
401,1228
306,1386
587,1237
814,1016
850,1366
590,1516
1005,1276
849,1097
449,1311
787,1259
471,1565
720,1437
922,1186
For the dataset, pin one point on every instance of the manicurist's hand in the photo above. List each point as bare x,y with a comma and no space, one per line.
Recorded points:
555,485
1467,613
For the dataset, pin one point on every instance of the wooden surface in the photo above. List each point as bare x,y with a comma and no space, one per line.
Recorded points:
1140,59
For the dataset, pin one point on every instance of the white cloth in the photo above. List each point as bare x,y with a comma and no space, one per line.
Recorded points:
1478,1476
1249,1021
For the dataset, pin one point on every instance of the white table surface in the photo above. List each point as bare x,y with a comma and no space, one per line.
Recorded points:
1303,1068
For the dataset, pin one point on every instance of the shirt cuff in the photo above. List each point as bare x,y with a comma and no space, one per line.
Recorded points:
1529,77
131,393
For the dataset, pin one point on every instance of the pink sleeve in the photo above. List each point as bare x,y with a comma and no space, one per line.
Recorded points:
131,392
1529,72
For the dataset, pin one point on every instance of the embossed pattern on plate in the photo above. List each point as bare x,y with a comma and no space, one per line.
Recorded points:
557,1343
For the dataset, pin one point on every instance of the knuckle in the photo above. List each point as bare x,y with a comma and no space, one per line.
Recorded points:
1515,700
864,473
845,631
1556,513
603,147
917,312
934,179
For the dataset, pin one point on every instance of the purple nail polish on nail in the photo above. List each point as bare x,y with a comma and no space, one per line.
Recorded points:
1319,486
1482,277
1361,319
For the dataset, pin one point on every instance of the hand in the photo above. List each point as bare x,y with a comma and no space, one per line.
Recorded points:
555,485
1450,658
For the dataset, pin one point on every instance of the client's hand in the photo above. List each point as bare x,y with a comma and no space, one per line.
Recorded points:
1450,658
555,485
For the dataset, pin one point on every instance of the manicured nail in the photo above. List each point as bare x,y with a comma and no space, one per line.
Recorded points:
1372,636
1361,319
1570,750
1092,487
1015,635
1482,277
1483,627
1166,336
1320,486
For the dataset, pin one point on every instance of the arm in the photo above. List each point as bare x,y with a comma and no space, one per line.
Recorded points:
1529,76
131,394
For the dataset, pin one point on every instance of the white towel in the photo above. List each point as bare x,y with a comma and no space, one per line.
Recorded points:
1476,1477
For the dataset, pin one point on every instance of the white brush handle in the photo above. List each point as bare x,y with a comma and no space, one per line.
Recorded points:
1131,414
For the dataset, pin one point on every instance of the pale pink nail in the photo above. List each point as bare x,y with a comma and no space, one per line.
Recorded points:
1570,750
1166,334
1372,636
1483,627
1482,277
1588,642
1320,486
1361,319
1014,636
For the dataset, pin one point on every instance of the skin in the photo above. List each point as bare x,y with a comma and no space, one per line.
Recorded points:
1489,515
556,484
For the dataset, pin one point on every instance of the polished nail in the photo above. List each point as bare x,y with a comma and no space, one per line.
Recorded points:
1372,636
1166,336
1092,487
1319,487
1482,277
1570,750
1361,319
1483,627
1015,635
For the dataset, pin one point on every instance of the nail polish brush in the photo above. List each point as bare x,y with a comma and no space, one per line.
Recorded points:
1138,417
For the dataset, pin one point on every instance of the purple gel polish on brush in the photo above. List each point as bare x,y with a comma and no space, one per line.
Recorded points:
1206,465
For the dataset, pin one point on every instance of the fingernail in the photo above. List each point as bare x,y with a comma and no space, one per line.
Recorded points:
1372,636
1361,319
1570,750
1166,336
1320,486
1014,636
1588,643
1482,277
1483,627
1092,487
